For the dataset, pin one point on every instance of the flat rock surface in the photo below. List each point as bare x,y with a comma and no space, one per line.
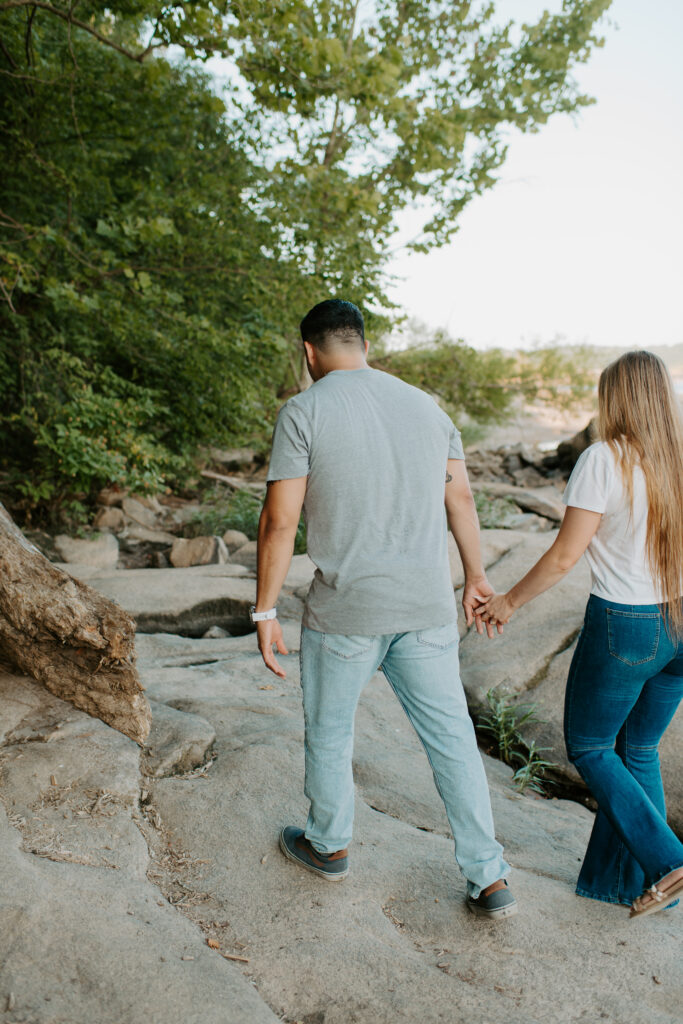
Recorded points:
404,947
186,601
85,934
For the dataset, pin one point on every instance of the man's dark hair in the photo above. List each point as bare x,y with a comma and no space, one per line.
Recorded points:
333,322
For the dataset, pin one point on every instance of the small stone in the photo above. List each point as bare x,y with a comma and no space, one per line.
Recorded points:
111,496
215,633
110,518
234,539
198,551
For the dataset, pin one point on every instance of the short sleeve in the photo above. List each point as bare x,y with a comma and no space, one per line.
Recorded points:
592,479
289,457
455,448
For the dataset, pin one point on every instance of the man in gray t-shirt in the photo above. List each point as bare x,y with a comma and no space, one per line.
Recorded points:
379,470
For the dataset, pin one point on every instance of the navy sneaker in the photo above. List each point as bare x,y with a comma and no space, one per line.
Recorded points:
496,905
296,847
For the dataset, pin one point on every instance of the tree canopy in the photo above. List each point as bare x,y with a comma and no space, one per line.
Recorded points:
159,241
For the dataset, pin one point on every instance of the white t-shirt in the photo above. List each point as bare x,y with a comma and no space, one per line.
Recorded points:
617,554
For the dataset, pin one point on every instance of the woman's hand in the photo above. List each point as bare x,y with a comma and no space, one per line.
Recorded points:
498,609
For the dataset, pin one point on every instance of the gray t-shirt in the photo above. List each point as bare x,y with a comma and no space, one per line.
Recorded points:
374,450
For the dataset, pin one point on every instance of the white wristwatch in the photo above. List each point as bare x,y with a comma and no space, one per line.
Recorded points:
262,616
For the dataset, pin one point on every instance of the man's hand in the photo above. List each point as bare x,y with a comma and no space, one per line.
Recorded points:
269,634
477,592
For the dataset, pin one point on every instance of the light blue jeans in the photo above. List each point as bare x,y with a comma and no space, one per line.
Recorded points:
422,668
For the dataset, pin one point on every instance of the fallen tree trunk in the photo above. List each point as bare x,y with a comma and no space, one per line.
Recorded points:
74,641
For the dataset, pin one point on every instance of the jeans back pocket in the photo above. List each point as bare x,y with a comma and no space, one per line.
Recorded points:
633,637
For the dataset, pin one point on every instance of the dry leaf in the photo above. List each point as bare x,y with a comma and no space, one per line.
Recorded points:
268,687
213,943
53,780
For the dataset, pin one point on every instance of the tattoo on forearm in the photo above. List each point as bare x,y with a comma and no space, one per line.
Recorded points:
448,478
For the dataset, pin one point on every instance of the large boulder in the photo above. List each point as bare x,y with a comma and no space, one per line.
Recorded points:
568,451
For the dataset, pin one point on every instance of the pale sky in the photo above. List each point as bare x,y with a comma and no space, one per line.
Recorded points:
582,235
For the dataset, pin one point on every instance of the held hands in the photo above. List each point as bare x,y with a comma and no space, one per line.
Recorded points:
497,609
270,633
476,596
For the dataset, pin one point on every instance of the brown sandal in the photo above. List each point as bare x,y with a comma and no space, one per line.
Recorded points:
654,899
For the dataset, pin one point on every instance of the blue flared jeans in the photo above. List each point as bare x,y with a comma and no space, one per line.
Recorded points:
625,684
422,668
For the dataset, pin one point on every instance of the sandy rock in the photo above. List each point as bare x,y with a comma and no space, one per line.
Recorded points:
494,544
528,476
102,552
110,518
150,501
178,741
143,533
246,555
139,512
400,913
187,601
198,551
84,934
543,501
234,539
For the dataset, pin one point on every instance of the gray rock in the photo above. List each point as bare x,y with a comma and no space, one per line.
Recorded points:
110,518
198,551
178,741
139,512
181,600
101,552
568,451
234,539
246,555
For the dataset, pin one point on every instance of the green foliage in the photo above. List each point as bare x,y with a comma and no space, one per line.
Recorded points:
158,244
236,510
484,384
503,725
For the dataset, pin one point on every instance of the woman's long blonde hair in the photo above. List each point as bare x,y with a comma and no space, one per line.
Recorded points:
640,419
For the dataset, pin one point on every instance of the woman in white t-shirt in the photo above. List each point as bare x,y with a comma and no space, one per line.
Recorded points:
625,511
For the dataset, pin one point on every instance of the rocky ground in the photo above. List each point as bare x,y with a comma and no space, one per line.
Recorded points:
148,886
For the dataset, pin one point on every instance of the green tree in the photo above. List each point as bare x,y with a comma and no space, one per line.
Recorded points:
140,316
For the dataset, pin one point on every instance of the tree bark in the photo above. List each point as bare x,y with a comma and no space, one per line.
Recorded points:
74,641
